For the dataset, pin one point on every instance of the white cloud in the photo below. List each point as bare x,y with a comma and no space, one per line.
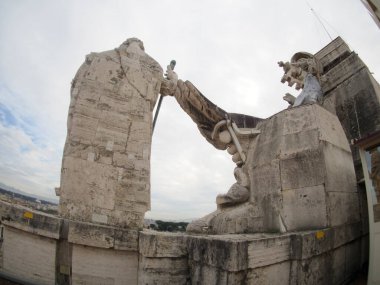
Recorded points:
25,164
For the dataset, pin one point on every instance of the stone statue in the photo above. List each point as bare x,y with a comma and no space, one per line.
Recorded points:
222,129
303,70
281,176
105,176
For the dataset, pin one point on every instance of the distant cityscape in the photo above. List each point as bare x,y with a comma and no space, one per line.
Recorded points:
28,201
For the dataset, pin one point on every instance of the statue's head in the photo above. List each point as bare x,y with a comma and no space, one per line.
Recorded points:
295,71
132,41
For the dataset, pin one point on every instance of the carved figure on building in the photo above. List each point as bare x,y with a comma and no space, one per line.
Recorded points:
223,130
304,71
270,156
106,171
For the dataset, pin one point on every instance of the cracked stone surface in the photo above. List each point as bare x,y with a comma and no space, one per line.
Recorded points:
105,175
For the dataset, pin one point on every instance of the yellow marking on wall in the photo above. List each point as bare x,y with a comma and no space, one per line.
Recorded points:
320,234
28,215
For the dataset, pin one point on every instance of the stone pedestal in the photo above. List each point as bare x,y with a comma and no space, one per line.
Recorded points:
328,256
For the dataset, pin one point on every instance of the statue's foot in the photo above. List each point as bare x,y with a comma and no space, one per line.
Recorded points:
242,218
236,195
202,225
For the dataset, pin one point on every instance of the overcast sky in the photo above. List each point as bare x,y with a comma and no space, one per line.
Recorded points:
229,49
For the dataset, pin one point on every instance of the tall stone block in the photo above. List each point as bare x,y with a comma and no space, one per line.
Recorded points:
350,92
105,175
301,176
313,166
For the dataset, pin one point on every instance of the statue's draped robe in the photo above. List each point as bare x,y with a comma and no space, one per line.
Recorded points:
206,114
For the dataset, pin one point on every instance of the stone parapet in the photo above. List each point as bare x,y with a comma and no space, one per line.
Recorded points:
326,256
62,246
162,244
163,258
29,220
95,235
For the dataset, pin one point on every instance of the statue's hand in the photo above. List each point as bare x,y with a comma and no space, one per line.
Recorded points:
289,98
169,83
170,74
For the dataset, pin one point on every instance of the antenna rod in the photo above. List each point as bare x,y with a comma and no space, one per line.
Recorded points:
172,65
319,20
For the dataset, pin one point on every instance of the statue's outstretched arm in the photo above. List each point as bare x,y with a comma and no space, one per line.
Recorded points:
201,110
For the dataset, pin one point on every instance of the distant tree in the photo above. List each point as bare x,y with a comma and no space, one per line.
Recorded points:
153,226
171,226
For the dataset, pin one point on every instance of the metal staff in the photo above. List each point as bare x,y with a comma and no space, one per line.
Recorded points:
171,65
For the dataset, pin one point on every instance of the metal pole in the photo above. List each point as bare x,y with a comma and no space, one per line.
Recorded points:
157,110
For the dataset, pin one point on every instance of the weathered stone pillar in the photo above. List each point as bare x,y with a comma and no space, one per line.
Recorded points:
105,175
105,179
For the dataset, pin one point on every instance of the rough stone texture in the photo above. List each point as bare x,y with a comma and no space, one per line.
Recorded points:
268,250
328,256
102,236
276,274
28,256
204,274
162,244
163,271
103,266
218,259
346,68
225,252
29,220
305,208
163,258
351,93
334,52
105,170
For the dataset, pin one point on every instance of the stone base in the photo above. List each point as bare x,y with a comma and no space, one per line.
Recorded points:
67,252
328,256
93,254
